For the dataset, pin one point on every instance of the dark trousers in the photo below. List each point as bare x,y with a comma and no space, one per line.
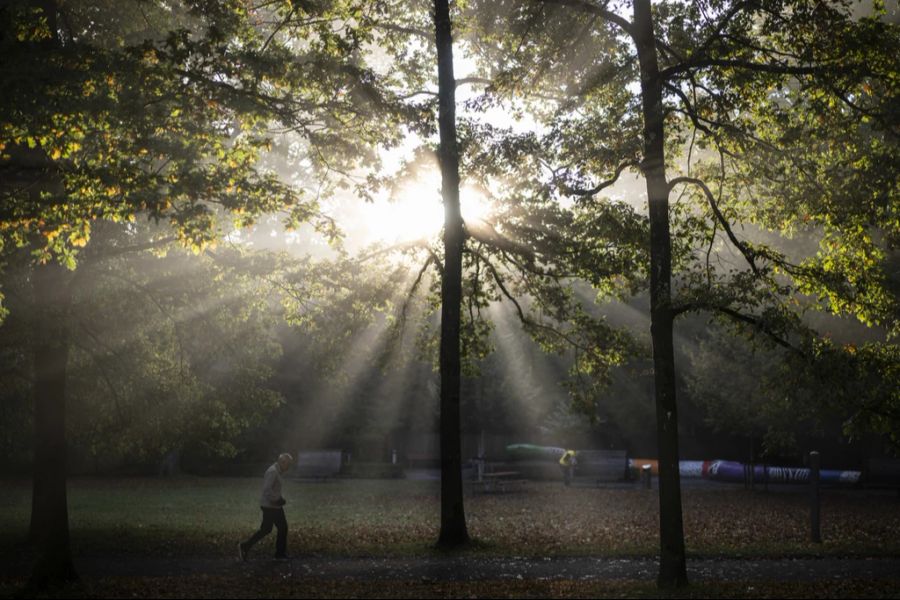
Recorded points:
270,517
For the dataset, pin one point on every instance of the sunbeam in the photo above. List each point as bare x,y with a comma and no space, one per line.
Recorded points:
414,212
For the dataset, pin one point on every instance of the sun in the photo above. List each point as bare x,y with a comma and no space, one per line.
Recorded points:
416,212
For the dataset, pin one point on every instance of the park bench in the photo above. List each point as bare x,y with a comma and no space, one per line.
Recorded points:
602,465
317,464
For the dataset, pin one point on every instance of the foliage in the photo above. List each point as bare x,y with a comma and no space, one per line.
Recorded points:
172,353
164,112
745,391
860,381
780,117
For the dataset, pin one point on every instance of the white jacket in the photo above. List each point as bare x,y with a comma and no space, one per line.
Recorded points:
271,490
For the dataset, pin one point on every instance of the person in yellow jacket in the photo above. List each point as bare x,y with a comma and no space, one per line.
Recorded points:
567,465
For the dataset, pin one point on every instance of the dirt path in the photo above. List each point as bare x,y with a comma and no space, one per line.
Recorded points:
469,568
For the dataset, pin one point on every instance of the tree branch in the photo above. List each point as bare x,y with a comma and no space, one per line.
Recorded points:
603,184
775,68
401,319
723,22
738,316
403,29
521,313
114,251
278,28
421,243
592,8
748,253
472,80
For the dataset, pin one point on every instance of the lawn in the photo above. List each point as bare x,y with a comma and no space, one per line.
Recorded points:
207,516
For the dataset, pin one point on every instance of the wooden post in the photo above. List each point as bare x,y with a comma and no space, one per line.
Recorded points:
815,535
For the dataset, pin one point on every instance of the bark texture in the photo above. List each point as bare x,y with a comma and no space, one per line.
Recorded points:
49,506
453,518
672,568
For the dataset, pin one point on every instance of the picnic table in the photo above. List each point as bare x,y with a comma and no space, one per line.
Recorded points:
500,481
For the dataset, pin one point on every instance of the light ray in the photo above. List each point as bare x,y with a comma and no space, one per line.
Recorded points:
414,212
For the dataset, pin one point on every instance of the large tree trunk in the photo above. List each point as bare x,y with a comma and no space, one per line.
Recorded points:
49,530
453,517
672,570
49,508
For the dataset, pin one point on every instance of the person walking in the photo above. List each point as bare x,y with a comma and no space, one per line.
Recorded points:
272,504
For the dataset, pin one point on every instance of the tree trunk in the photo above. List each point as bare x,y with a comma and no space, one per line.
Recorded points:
453,517
49,531
49,507
672,569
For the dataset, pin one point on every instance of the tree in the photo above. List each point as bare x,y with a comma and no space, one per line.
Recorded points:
159,111
479,263
189,375
732,79
511,256
453,518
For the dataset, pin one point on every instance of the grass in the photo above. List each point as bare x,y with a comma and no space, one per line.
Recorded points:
206,516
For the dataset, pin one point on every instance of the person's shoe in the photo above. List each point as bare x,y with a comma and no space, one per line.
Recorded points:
242,552
282,557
